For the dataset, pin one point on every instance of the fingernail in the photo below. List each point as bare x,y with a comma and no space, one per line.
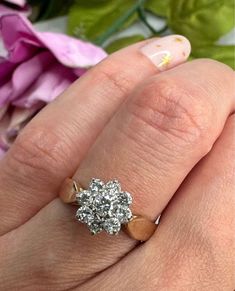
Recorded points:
168,51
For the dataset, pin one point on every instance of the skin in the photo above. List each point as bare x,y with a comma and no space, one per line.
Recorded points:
169,138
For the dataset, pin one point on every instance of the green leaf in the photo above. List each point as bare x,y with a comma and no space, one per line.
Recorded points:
91,19
123,42
46,9
202,21
56,8
222,53
158,7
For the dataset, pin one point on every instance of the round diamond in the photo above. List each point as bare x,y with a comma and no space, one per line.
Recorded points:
95,227
123,214
96,185
84,214
112,225
84,197
125,198
102,204
113,187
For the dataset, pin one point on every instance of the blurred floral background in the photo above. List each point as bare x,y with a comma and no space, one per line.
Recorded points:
48,44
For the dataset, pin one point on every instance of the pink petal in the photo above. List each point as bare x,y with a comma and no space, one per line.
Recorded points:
72,52
69,51
5,93
47,87
79,71
5,10
6,69
20,3
16,29
17,38
24,10
24,75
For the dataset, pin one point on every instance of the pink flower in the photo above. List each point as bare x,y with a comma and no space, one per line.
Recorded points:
20,3
24,10
39,67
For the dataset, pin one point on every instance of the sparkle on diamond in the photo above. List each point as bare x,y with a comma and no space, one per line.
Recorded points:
104,206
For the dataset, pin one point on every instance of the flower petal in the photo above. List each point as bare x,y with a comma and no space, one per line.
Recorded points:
72,52
6,69
24,10
18,37
20,3
24,76
15,27
47,87
69,51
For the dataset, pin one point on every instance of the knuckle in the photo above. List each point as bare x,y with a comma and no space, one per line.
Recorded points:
111,79
174,108
36,150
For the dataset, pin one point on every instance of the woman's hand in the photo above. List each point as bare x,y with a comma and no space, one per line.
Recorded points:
125,119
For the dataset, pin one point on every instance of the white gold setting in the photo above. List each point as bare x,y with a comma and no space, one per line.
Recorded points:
104,206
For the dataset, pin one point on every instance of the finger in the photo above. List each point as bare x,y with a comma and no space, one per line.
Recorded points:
199,221
150,145
194,244
162,132
53,144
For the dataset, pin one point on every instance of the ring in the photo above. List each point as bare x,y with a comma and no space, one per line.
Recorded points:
105,207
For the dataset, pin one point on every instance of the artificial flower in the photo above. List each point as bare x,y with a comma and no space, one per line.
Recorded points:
20,3
39,67
5,10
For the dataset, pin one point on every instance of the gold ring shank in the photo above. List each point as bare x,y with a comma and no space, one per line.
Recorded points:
139,228
68,191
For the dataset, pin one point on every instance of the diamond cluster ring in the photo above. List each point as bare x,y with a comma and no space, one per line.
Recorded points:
106,207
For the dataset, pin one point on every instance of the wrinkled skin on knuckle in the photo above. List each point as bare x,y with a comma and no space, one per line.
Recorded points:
38,151
110,79
175,110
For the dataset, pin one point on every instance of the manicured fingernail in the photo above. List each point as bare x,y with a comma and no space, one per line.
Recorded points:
168,51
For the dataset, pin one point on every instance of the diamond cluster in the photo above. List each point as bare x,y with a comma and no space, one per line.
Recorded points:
104,206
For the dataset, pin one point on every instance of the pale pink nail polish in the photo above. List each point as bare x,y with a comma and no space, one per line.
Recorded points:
168,51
